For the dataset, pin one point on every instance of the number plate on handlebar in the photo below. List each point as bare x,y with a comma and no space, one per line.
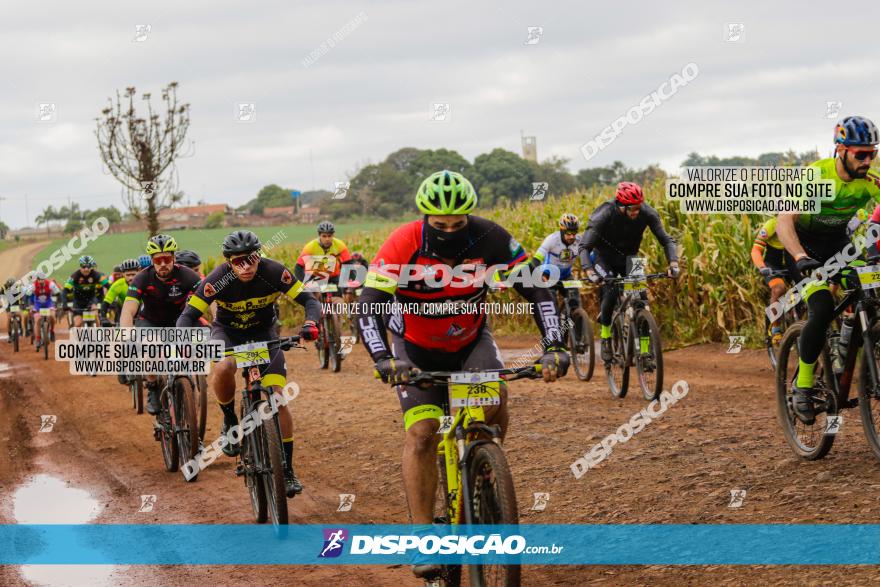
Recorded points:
869,276
45,311
328,287
89,316
635,284
572,283
15,308
474,390
246,355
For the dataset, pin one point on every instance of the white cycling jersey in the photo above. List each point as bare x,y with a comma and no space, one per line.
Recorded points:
555,252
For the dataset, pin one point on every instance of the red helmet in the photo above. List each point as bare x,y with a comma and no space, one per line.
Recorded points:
629,193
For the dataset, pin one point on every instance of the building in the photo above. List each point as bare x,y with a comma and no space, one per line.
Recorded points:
530,148
280,212
189,216
309,214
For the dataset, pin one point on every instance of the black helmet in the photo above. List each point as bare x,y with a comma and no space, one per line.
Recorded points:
326,227
130,265
188,258
240,241
117,268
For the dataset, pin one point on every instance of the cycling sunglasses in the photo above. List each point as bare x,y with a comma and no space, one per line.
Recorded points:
862,154
245,261
630,207
163,260
571,232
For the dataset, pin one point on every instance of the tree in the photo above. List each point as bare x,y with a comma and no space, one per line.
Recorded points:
140,152
215,219
555,172
4,230
111,213
502,174
48,215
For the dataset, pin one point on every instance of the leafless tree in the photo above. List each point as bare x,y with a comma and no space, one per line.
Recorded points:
140,151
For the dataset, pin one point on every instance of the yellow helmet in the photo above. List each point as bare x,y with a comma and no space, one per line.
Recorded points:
161,243
569,221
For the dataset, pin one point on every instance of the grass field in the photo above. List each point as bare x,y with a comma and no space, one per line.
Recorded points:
110,249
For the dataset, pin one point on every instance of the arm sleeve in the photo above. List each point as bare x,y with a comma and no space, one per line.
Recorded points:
541,254
663,237
299,272
370,324
311,306
189,318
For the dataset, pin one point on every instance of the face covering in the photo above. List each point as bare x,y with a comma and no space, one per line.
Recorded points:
450,245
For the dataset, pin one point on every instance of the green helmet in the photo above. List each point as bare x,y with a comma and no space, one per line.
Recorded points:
446,192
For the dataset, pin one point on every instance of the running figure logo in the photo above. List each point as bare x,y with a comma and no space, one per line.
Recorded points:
346,501
737,497
147,503
47,423
541,500
539,190
333,542
735,344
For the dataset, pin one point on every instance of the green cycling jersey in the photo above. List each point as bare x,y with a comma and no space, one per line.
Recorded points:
117,292
849,197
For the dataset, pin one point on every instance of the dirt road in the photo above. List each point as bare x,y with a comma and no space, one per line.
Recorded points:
680,469
17,260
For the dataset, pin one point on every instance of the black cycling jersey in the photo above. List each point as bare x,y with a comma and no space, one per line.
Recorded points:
248,305
86,287
163,301
615,236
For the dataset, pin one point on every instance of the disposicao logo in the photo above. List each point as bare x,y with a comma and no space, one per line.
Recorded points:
334,540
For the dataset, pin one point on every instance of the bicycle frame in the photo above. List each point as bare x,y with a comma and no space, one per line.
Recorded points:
865,311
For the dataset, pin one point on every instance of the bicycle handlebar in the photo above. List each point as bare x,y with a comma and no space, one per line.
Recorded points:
645,277
418,377
285,343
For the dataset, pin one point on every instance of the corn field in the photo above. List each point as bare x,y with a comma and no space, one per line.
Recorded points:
719,292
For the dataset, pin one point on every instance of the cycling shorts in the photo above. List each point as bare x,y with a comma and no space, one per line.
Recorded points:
421,404
49,303
272,373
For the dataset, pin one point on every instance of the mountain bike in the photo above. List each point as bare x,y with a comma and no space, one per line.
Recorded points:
789,317
136,389
13,314
90,320
349,320
261,460
834,374
176,426
329,344
475,485
29,325
632,321
43,326
580,332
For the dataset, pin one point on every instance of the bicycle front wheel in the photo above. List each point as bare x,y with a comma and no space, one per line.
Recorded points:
333,345
44,337
165,422
186,425
446,513
136,386
202,401
648,350
493,501
583,351
808,441
869,393
16,334
272,471
323,345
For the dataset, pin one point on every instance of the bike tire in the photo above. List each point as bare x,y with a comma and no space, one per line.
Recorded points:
44,337
617,371
643,324
187,422
450,575
794,430
136,387
323,354
16,334
868,399
273,480
202,397
584,363
167,436
251,456
334,350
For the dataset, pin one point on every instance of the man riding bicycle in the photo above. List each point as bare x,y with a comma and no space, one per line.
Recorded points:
190,259
560,250
768,255
615,233
116,294
812,239
85,284
406,269
245,289
160,291
40,293
321,259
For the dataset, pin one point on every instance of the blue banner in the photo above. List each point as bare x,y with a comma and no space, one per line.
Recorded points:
625,544
295,194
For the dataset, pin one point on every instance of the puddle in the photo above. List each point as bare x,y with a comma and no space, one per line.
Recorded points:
45,499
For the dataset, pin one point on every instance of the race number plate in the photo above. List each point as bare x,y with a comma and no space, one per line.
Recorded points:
45,311
359,291
635,284
89,316
255,353
328,287
475,390
15,308
572,284
869,276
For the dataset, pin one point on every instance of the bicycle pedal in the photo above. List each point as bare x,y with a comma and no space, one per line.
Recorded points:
239,470
852,403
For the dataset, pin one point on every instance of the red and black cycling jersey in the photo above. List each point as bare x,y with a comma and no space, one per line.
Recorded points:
488,245
86,287
615,236
162,301
248,305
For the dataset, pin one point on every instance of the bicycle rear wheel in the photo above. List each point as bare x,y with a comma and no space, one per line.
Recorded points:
583,351
186,423
617,371
811,442
648,350
493,501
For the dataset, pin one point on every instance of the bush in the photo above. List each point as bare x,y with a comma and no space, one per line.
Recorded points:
215,220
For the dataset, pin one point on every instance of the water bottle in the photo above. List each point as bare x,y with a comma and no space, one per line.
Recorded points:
837,362
843,343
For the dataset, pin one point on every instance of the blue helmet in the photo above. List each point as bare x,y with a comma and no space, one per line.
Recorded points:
144,261
856,130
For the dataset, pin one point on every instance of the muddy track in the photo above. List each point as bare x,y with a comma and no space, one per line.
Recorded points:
680,469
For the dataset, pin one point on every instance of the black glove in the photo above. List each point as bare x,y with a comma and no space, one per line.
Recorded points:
674,270
309,331
765,271
105,322
554,362
395,371
806,264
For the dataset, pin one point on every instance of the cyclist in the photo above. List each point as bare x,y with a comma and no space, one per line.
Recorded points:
768,256
349,291
116,274
812,239
190,259
615,233
324,255
85,284
160,291
245,289
560,250
144,261
40,294
10,292
115,296
452,341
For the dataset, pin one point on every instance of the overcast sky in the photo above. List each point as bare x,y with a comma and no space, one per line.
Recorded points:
372,93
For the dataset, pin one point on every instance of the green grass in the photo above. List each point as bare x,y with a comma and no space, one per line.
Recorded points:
110,249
